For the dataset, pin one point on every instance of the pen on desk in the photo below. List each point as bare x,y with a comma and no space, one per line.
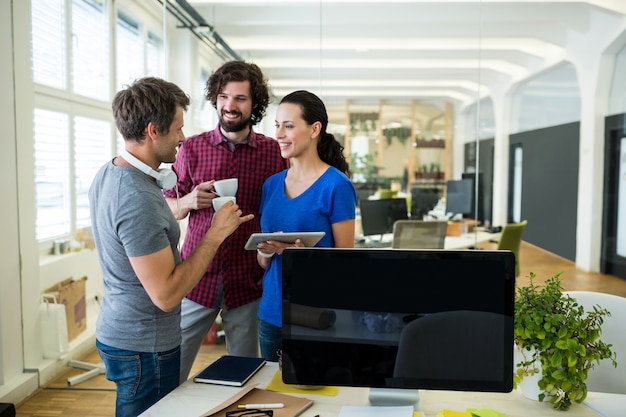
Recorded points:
251,406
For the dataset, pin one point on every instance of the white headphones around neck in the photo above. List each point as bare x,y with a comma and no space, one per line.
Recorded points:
165,178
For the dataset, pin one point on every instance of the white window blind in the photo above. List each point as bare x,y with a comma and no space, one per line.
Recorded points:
90,50
206,116
48,43
91,150
51,173
155,56
72,71
69,37
129,50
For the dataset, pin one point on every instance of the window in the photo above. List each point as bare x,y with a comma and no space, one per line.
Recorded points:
205,115
91,149
130,57
74,79
155,56
48,37
90,50
72,117
51,175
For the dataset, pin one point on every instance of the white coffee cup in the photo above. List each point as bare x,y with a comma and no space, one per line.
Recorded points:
227,187
218,202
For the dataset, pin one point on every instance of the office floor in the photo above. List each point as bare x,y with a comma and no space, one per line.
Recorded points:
96,397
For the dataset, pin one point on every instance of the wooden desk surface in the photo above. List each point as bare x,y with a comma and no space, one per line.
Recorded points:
193,399
469,239
451,242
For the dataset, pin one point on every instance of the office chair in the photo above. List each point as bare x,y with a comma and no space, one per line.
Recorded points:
510,239
604,377
418,234
384,193
432,340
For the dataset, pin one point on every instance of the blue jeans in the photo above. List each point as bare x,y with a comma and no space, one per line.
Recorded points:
141,378
270,339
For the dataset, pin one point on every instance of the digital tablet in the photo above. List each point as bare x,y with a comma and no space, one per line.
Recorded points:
308,238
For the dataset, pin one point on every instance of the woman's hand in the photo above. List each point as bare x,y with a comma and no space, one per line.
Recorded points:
274,246
267,249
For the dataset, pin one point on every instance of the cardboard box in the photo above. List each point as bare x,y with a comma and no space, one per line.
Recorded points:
72,293
461,227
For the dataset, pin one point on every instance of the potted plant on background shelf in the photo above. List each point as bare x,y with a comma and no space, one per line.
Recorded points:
558,342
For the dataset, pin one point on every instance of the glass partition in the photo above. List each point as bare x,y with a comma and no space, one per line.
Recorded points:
425,91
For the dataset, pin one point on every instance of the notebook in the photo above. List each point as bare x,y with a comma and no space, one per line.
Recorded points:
230,370
292,405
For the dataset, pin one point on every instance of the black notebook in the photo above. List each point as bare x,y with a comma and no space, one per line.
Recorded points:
230,370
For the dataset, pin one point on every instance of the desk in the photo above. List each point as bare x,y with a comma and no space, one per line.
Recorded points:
193,399
469,239
464,241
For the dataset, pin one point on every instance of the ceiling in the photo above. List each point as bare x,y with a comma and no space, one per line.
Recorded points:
366,54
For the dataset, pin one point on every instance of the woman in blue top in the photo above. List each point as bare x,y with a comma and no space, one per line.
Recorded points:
313,195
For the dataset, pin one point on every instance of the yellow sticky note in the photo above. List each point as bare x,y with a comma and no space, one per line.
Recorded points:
417,414
451,413
277,384
485,412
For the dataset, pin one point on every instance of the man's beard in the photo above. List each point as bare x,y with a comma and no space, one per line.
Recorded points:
230,126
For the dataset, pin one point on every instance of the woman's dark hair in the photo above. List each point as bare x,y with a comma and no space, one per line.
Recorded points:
147,100
240,71
314,110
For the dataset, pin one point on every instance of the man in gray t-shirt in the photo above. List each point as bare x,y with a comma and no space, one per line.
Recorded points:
138,328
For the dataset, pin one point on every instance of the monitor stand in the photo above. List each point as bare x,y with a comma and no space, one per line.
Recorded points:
394,397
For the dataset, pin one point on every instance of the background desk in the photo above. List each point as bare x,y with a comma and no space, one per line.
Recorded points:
193,399
464,241
469,239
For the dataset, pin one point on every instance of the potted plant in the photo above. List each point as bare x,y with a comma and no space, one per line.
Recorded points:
364,168
557,340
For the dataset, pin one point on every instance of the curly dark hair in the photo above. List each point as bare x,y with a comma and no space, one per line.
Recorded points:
240,71
314,110
147,100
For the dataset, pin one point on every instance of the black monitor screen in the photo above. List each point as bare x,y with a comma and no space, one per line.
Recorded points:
378,216
459,196
389,318
423,200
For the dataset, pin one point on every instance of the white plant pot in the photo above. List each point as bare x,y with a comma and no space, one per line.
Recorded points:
529,385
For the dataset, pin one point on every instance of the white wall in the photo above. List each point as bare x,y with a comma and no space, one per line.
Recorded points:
14,384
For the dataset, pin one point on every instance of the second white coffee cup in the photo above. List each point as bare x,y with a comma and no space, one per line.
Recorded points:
218,202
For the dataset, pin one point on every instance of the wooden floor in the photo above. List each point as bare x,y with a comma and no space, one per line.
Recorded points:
96,397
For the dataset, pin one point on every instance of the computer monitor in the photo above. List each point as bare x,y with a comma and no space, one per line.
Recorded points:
423,200
378,216
478,189
399,319
459,197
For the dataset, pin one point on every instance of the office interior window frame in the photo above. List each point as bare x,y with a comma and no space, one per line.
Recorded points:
71,142
61,69
74,132
129,58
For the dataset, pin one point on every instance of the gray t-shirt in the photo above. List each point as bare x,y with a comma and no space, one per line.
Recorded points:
130,217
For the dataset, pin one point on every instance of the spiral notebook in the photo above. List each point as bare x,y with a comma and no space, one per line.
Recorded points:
230,370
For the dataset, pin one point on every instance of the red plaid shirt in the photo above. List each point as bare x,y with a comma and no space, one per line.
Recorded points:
208,156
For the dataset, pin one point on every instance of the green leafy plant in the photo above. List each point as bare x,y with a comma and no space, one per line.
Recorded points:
401,133
364,166
552,329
